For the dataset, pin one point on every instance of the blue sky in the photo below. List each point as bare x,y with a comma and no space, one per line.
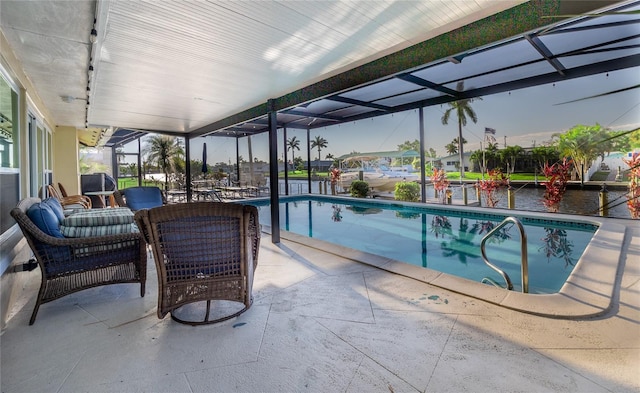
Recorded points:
522,116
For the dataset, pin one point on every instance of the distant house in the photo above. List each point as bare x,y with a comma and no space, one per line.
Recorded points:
451,163
321,166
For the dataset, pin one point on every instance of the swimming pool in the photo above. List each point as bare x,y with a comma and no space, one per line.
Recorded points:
592,276
448,242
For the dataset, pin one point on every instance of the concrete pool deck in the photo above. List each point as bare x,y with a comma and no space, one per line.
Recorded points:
324,323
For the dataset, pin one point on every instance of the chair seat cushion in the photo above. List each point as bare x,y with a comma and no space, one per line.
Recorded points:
97,230
45,219
99,217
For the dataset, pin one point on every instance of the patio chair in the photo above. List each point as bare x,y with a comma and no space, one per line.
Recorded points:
137,198
70,201
63,190
205,254
69,265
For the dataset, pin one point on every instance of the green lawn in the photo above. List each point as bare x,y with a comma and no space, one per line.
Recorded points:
302,175
126,182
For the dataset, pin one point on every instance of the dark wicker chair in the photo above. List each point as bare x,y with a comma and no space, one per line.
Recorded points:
69,265
205,254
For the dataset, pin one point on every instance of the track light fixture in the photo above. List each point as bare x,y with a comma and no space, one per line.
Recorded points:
70,99
93,36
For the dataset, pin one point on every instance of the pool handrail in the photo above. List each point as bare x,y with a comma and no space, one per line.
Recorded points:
524,264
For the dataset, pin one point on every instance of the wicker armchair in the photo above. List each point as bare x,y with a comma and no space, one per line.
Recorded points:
69,265
205,254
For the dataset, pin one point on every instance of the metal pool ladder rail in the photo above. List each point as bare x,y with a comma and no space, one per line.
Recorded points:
523,250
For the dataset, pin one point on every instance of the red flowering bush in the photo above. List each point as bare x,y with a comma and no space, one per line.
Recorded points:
488,187
633,197
440,182
557,176
335,175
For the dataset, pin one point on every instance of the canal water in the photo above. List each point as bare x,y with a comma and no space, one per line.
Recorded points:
582,202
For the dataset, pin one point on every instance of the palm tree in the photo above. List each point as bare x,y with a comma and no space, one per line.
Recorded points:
584,144
293,144
477,158
490,155
509,155
462,109
455,141
544,154
451,148
163,151
320,143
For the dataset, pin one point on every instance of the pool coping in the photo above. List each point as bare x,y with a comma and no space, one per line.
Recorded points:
588,291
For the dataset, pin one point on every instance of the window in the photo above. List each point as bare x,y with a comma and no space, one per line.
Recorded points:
9,153
8,127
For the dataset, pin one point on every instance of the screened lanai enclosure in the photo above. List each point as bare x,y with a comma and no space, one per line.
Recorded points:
380,74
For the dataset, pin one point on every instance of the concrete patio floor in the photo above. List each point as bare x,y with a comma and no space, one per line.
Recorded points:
322,323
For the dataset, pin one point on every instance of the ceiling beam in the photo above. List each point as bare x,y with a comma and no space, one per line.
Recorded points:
307,114
545,52
425,83
366,104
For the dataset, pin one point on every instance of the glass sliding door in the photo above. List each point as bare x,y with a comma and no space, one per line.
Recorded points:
39,158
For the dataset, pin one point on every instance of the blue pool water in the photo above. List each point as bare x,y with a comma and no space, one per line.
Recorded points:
444,240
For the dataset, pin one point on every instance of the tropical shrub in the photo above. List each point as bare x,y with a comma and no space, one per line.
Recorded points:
633,197
557,177
440,182
359,189
335,176
488,187
407,191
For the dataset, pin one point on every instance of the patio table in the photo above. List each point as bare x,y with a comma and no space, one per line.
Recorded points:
112,200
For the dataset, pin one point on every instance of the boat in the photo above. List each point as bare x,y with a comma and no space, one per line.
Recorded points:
375,171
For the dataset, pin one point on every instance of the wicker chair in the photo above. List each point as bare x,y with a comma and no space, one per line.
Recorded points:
69,265
70,201
205,254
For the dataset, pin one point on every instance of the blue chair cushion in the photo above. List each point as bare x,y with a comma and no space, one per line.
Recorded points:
45,219
143,197
56,207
